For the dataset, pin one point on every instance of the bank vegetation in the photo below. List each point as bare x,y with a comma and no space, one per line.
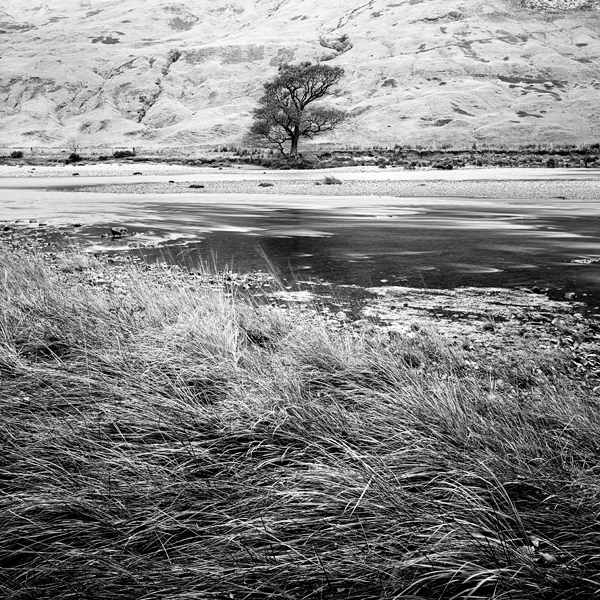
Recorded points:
162,438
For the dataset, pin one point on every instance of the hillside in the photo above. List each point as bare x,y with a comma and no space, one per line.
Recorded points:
189,72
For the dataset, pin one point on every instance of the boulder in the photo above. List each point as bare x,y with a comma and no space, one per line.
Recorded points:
119,231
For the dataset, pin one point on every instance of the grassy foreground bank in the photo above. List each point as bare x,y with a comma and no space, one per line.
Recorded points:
165,440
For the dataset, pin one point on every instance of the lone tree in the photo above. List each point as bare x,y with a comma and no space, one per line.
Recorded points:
284,113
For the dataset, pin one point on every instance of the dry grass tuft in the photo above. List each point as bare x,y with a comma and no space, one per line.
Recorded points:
171,441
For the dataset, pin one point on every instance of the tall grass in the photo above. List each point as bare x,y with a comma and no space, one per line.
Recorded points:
163,440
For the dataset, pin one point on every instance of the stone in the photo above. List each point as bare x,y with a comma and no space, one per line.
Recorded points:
546,559
119,231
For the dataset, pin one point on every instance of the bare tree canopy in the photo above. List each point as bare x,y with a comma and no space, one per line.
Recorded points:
284,114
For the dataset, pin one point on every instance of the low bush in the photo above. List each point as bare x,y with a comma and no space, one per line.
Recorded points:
123,154
16,154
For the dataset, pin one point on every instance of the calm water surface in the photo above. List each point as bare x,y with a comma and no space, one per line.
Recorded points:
369,240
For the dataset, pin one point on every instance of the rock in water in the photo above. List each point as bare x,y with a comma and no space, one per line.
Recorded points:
119,231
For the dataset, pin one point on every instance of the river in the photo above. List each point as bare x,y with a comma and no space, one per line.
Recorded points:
351,240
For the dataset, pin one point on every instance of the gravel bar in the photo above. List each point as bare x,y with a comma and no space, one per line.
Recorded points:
505,189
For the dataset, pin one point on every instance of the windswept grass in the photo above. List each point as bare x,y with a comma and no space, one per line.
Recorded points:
161,440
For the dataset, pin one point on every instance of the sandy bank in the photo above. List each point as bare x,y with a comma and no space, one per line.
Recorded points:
97,170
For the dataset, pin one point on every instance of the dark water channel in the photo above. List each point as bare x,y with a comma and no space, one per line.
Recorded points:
363,241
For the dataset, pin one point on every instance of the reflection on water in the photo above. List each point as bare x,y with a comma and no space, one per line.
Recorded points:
430,242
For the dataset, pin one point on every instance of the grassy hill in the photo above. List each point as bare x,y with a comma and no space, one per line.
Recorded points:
420,72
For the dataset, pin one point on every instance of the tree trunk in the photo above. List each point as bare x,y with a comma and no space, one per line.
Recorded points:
295,139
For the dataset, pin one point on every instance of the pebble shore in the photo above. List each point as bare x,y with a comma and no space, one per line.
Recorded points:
572,189
269,183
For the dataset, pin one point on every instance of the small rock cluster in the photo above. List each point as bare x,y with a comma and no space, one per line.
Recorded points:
492,322
560,5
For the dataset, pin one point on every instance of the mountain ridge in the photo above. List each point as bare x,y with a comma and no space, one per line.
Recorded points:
190,72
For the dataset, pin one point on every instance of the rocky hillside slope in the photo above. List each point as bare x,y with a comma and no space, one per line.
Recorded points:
160,72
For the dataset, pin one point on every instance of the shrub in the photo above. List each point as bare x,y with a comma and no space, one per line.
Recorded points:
173,55
16,154
331,180
74,157
123,154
